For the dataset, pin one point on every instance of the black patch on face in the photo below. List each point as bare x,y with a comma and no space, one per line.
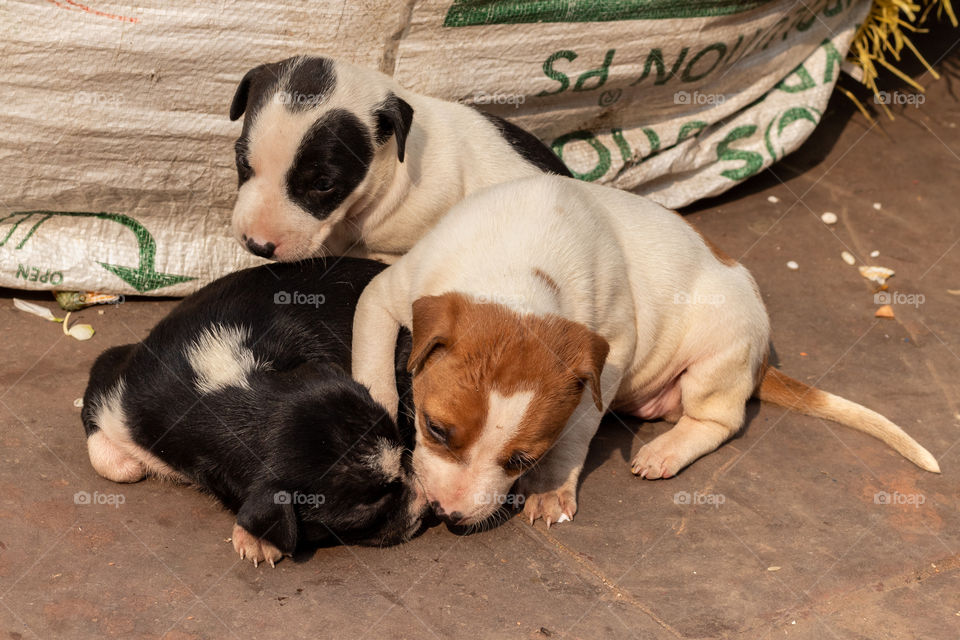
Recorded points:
332,160
529,146
394,116
309,81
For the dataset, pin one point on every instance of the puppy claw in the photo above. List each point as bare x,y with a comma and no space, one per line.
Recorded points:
554,506
255,549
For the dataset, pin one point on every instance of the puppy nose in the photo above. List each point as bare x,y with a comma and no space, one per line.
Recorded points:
453,518
262,250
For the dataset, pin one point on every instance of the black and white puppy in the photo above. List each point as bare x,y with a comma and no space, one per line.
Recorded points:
334,158
243,390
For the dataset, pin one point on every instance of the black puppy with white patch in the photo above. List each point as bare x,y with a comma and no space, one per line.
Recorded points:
243,390
334,158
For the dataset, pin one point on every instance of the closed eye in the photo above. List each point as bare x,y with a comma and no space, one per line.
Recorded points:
519,461
437,432
320,188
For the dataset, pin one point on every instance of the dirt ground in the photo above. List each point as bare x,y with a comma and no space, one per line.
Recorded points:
797,528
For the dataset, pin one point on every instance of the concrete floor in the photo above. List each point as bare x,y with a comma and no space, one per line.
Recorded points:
787,540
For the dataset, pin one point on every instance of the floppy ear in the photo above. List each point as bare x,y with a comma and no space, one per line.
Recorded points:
433,324
394,116
593,355
239,104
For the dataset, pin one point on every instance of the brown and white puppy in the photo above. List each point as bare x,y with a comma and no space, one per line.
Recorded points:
595,300
334,158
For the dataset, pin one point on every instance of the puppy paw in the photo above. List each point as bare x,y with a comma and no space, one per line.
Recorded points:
653,462
255,549
554,507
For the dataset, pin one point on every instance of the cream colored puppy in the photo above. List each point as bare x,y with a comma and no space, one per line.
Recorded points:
538,305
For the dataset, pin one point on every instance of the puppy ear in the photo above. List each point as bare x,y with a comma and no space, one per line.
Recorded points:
434,318
394,116
593,354
239,104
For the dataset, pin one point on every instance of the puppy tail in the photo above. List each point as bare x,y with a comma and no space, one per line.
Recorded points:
782,390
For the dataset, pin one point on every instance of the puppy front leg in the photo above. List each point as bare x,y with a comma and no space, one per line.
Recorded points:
375,330
266,527
550,488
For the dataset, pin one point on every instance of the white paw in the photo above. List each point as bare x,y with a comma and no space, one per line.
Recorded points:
657,460
556,506
255,549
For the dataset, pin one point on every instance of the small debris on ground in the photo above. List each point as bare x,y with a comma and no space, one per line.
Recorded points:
874,253
792,265
35,309
876,274
77,331
848,258
773,199
877,206
76,300
829,217
886,311
78,403
773,568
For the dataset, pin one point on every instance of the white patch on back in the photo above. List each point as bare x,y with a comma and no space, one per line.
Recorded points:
221,359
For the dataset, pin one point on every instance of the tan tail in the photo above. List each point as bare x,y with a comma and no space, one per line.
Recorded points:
782,390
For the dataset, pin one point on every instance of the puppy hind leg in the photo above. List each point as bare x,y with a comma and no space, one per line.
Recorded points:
670,452
111,461
714,394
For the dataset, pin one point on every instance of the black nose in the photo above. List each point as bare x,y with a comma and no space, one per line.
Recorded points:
452,518
262,250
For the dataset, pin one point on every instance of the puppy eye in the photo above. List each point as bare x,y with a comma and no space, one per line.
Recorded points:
435,431
320,188
520,461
